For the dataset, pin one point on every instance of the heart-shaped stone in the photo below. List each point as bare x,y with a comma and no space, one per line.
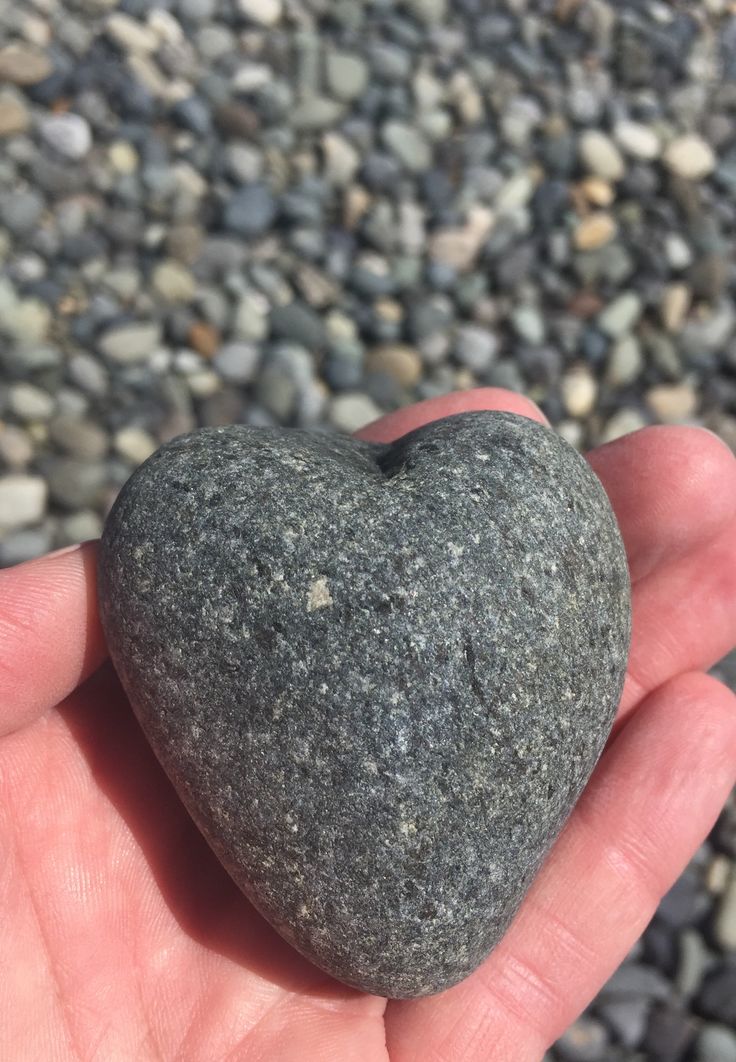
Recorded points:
378,676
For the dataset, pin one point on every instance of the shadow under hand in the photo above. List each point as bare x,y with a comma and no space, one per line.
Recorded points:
205,901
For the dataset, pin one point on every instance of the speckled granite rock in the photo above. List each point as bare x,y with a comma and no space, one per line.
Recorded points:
379,677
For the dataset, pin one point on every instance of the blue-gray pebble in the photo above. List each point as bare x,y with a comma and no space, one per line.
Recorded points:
378,676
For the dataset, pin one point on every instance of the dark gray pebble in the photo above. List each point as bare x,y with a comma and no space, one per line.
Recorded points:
379,676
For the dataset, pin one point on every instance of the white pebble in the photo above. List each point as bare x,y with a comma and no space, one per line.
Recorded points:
579,392
263,12
601,156
352,411
69,134
22,500
690,157
638,140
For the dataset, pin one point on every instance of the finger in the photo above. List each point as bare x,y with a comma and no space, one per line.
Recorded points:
653,798
672,489
50,635
684,618
394,425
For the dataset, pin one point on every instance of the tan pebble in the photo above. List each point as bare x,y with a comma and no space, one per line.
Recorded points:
21,64
672,403
464,380
204,338
14,116
717,874
355,204
595,231
402,363
579,392
597,191
675,305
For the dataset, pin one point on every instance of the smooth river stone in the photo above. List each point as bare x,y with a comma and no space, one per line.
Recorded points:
378,676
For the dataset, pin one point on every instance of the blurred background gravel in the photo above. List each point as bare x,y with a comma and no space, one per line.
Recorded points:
309,212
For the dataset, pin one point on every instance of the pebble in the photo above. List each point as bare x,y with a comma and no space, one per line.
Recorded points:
29,402
82,526
638,140
123,157
579,391
22,500
352,411
263,12
595,231
529,324
408,145
459,247
397,360
585,1041
14,114
692,961
625,362
204,338
134,444
237,362
600,155
250,211
476,348
16,448
724,924
22,64
598,192
173,282
131,36
690,157
78,437
717,999
676,299
130,343
68,134
718,874
347,75
678,251
672,403
298,322
715,1043
621,315
24,545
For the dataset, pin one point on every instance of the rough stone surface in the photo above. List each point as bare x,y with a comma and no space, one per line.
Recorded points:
379,676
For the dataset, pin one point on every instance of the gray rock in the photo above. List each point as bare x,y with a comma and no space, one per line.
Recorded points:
299,322
282,607
251,211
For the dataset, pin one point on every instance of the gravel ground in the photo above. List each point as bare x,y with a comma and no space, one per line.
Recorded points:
311,211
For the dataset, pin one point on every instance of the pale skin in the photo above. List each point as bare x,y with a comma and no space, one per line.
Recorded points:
121,938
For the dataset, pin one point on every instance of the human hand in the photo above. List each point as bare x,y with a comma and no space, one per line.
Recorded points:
123,938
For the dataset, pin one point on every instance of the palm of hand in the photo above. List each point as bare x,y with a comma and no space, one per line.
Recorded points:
126,939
